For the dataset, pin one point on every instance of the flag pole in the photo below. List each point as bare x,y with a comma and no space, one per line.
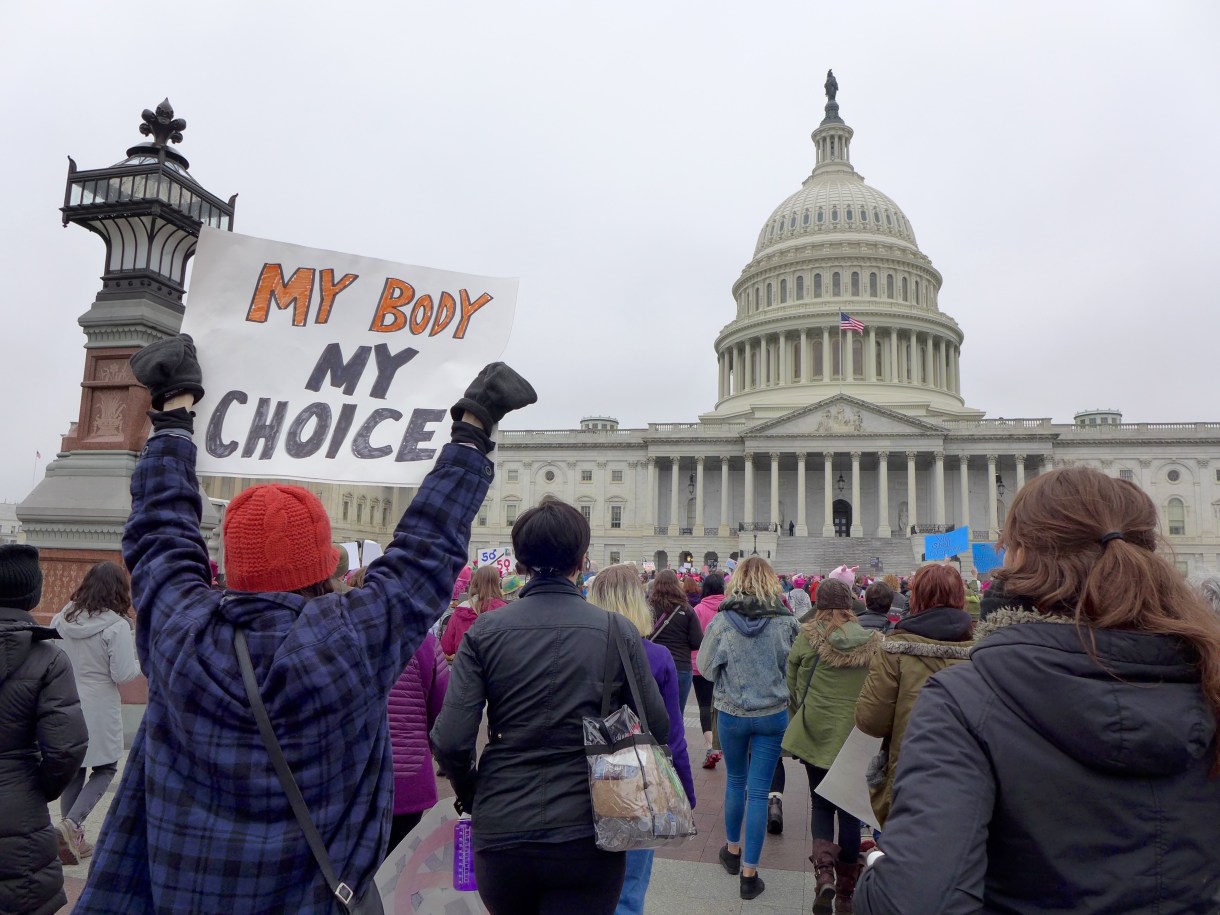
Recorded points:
842,361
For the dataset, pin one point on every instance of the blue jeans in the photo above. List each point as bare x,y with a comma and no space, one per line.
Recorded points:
635,883
684,682
751,750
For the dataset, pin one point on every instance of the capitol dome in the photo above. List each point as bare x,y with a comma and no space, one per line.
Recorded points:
838,298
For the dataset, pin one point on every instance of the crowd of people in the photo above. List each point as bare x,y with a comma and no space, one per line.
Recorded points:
1048,738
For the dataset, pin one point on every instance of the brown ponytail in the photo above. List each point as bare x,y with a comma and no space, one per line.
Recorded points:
1055,556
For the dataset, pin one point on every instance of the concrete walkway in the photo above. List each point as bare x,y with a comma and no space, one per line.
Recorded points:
687,880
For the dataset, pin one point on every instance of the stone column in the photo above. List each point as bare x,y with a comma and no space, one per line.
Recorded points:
571,465
784,357
724,496
674,490
802,520
893,336
993,514
857,526
1020,472
748,510
1203,481
964,482
602,514
806,357
774,519
870,355
827,366
529,483
883,490
828,524
1146,474
699,496
938,488
912,513
927,363
653,496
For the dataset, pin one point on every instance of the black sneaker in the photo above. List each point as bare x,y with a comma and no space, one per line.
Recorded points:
752,887
775,815
729,861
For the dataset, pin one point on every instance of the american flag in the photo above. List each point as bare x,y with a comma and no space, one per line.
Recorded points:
847,322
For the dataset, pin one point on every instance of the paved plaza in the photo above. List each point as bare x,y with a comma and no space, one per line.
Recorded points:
685,881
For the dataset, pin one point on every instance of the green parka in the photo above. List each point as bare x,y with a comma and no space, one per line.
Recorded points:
899,671
826,670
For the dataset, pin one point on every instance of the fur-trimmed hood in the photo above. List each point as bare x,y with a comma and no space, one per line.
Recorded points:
849,645
927,649
1129,704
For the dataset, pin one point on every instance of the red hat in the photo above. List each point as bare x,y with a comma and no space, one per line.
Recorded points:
277,538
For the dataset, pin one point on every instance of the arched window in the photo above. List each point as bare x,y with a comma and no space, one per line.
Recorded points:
834,214
1175,514
864,214
889,285
385,515
821,215
878,367
849,214
816,353
872,285
836,284
876,216
905,297
800,288
797,355
817,285
792,222
917,292
769,294
757,297
857,356
805,218
360,512
771,233
347,506
888,221
783,291
855,282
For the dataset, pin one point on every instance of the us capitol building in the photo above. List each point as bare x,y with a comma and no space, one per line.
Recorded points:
826,445
857,443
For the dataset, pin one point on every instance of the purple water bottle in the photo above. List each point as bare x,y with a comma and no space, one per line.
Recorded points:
463,855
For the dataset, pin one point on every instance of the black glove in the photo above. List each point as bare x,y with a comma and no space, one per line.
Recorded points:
470,434
464,790
169,367
179,420
497,390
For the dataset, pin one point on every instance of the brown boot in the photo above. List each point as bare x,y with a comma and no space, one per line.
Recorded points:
825,854
846,876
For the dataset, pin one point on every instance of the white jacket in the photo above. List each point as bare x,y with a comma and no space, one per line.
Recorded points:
103,654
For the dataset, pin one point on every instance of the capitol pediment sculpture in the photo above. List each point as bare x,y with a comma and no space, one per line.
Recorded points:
840,419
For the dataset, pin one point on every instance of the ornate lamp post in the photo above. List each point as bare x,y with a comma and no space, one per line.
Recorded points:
148,210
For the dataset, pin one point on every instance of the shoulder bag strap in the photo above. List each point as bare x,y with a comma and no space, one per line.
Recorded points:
608,667
656,631
342,891
629,673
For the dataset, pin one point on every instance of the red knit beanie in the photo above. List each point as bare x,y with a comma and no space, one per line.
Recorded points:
277,538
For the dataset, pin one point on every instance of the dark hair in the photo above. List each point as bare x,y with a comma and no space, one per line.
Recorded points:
879,597
667,592
106,587
833,595
552,537
713,583
1054,556
317,589
937,585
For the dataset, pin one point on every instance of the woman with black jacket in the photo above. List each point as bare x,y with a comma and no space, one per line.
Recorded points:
1073,764
676,627
538,666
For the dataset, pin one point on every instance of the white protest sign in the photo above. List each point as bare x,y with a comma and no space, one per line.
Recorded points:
370,550
844,784
333,367
500,557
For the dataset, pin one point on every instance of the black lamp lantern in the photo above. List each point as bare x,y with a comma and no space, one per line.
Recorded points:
690,483
148,209
841,483
999,485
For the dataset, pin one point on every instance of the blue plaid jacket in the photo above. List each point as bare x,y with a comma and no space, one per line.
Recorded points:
200,823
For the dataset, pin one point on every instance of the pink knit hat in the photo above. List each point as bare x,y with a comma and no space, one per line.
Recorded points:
844,574
463,581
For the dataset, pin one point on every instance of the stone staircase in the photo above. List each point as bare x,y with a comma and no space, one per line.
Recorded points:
819,555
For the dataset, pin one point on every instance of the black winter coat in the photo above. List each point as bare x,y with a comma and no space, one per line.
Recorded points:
42,743
682,634
538,665
1035,779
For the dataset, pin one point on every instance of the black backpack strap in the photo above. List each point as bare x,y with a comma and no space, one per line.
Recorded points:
342,891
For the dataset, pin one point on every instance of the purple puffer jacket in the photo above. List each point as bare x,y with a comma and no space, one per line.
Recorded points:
415,701
661,662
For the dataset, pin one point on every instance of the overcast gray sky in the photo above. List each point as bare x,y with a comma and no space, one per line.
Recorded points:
1056,160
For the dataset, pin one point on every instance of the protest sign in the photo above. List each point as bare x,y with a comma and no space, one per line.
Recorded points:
942,546
332,367
500,557
844,785
986,557
417,876
370,550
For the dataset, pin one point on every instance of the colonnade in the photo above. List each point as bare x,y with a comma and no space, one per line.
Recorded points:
786,357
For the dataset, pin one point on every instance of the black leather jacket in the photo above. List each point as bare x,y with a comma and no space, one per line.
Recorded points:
537,664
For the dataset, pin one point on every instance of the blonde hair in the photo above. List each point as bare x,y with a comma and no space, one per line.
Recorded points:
484,587
617,588
755,577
